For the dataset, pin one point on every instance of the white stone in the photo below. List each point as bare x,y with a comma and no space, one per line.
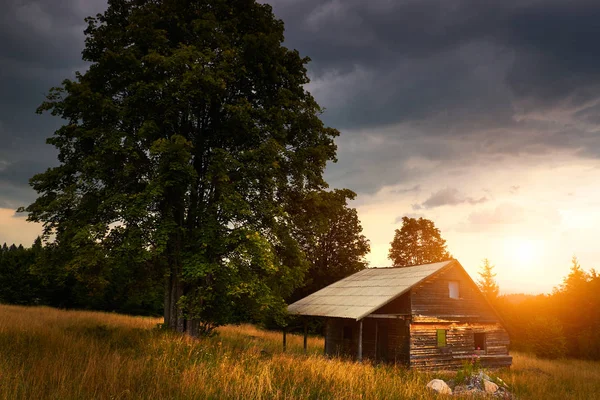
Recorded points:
490,387
439,386
483,376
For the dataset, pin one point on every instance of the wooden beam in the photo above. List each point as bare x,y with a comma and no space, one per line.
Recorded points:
284,338
305,335
388,316
360,340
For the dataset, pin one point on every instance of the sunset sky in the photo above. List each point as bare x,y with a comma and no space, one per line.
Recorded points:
481,117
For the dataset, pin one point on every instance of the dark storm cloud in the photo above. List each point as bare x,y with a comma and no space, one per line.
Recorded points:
489,78
40,45
444,81
548,43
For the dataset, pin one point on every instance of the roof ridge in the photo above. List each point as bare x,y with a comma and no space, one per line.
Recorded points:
413,265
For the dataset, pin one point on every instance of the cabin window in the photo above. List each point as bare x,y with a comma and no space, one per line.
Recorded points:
347,333
479,339
453,289
441,338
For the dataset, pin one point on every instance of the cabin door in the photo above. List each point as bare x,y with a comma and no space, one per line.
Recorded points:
382,340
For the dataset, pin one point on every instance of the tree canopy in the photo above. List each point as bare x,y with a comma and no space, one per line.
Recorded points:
417,242
565,322
330,234
182,145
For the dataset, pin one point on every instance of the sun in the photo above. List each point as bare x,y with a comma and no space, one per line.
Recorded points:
522,251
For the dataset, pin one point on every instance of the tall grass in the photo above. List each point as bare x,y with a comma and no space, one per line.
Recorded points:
52,354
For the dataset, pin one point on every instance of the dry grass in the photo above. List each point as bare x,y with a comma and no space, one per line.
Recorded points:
51,354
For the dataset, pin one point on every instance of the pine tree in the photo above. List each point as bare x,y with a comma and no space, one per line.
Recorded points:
487,284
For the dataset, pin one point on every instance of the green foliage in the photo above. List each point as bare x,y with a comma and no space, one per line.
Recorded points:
588,342
330,235
40,275
181,147
17,283
546,339
469,369
417,242
487,284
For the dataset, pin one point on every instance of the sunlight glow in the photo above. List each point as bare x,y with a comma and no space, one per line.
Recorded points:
523,252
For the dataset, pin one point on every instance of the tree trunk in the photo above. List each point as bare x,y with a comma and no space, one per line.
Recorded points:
167,304
191,327
173,315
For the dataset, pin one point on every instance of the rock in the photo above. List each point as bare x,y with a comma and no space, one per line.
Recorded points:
483,376
439,386
489,387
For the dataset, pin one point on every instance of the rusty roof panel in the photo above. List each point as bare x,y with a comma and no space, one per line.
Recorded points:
363,292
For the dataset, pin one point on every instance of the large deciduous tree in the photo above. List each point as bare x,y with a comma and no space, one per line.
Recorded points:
417,242
183,142
330,234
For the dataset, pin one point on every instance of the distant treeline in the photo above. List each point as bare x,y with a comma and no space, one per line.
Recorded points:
39,276
564,323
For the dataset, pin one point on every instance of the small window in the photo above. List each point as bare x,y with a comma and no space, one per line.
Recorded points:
453,290
441,338
347,333
479,339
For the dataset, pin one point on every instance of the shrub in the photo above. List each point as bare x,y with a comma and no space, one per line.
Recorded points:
545,338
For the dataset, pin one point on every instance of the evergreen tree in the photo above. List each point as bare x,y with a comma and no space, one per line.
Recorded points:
417,242
183,143
17,283
576,279
487,283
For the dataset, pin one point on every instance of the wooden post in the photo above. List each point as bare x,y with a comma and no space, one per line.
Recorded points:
284,338
305,335
325,332
360,324
376,333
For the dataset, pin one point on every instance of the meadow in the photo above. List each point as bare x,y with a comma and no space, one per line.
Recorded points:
47,353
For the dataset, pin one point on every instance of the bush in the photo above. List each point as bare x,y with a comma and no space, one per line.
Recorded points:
545,338
588,344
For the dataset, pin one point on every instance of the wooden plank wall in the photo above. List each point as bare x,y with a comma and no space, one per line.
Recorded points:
425,354
397,343
432,297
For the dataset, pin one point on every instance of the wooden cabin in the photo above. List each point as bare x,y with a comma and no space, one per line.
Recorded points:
430,316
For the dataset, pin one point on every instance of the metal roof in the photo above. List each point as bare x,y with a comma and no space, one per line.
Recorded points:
358,295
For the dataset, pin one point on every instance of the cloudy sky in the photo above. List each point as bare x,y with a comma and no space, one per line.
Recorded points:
481,116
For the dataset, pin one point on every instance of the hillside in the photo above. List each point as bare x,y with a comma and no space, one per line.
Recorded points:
53,354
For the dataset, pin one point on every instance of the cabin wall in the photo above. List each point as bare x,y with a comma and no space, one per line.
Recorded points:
385,340
460,346
401,306
432,298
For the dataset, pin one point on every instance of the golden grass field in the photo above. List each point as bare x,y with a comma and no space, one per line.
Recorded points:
47,353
